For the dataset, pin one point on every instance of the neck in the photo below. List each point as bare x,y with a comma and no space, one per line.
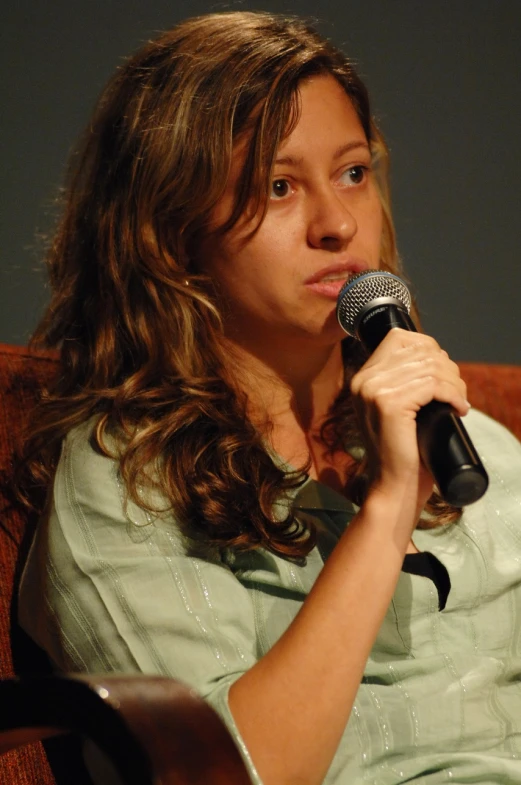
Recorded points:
288,385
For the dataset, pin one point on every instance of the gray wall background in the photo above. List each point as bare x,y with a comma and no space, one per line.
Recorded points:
445,82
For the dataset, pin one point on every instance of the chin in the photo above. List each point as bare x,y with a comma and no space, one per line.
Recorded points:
331,329
325,335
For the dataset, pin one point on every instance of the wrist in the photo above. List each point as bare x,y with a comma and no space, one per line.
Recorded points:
393,508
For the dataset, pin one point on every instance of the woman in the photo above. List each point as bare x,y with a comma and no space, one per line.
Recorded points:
238,485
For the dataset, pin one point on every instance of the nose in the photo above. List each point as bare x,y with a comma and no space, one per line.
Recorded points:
331,224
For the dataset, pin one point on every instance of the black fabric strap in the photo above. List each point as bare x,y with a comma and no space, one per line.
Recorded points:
426,564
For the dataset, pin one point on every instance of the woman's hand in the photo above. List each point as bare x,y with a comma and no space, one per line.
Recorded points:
407,371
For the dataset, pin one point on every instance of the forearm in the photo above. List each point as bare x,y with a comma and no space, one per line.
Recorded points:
292,706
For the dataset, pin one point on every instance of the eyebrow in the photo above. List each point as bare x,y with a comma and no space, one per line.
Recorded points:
290,160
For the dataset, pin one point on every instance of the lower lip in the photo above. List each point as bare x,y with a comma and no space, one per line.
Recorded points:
329,289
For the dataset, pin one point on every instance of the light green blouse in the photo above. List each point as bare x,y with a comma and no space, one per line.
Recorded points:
108,587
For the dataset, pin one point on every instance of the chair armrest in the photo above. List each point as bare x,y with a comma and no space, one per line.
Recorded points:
154,730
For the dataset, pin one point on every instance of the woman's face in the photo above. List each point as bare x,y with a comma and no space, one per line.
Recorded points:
324,222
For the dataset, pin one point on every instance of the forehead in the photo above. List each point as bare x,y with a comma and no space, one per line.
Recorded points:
326,115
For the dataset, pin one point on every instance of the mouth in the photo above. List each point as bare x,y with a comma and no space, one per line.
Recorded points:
328,281
341,276
333,273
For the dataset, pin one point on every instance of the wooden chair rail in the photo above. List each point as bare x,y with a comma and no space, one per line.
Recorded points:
153,730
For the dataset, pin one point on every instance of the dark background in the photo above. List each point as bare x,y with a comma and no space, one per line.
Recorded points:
445,81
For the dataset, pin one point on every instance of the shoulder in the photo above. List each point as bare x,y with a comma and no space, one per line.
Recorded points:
498,448
490,436
81,455
87,480
90,500
88,483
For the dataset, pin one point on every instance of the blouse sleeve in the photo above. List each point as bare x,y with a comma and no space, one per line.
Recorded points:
124,591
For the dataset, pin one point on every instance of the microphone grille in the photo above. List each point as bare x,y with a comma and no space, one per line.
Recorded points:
365,288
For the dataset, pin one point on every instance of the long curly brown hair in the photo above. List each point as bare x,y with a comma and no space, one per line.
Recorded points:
136,326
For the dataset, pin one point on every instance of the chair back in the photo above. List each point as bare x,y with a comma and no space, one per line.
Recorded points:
22,376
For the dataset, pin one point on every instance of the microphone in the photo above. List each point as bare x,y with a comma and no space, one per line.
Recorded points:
369,305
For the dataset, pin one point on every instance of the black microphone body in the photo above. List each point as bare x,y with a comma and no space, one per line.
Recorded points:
444,444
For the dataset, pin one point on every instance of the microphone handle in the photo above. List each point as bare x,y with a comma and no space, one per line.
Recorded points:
444,444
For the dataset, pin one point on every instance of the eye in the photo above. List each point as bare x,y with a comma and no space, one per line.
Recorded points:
280,189
354,175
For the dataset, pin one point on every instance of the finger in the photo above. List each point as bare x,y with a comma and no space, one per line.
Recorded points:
421,357
437,365
396,352
409,393
406,339
396,370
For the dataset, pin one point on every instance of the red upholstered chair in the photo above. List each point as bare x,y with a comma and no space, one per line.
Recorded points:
152,729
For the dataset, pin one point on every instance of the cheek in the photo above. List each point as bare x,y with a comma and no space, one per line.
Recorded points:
380,224
375,222
234,272
370,227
